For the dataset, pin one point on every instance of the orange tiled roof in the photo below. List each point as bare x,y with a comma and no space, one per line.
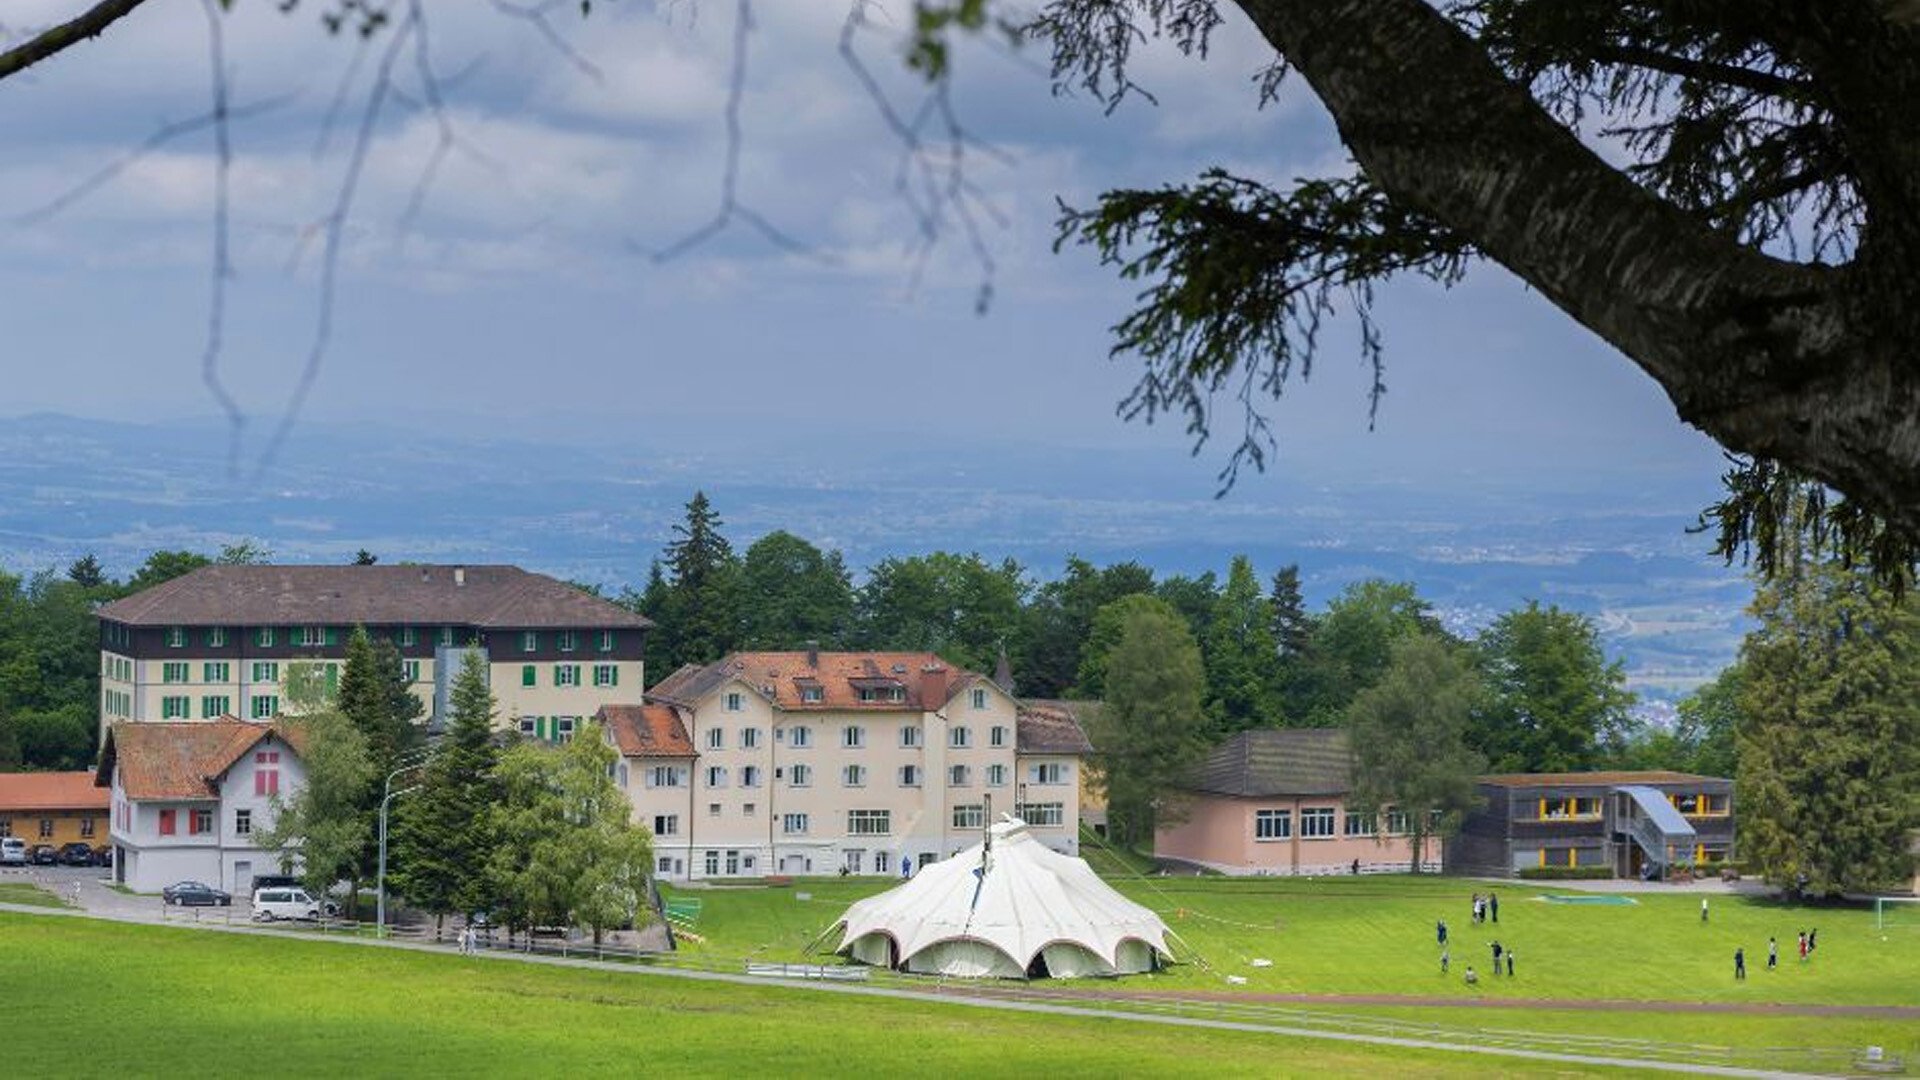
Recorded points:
182,761
50,791
646,730
925,681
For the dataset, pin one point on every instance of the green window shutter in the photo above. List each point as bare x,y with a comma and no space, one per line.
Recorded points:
540,727
613,675
528,676
333,635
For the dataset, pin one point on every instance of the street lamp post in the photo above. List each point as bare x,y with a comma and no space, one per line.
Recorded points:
387,795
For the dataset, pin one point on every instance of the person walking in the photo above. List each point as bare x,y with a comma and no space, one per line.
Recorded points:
1440,932
1493,906
1703,909
1496,958
1509,963
1813,940
1445,958
1739,964
1476,909
1803,946
1773,954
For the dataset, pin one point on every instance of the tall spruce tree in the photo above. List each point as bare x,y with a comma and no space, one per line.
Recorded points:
442,842
1241,655
1829,748
700,609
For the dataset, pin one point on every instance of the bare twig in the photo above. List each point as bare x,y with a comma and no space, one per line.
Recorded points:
536,16
222,269
54,40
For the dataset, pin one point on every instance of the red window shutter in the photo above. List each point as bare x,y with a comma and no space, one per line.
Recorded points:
273,781
166,823
259,782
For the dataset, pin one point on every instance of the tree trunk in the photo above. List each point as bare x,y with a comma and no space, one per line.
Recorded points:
1806,364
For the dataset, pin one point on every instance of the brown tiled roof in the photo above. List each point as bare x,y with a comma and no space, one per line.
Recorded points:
646,730
1292,761
1591,779
928,681
183,760
50,791
487,596
1052,727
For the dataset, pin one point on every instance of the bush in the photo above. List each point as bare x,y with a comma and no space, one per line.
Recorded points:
1566,873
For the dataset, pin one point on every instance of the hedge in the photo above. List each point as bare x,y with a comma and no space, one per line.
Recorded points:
1566,873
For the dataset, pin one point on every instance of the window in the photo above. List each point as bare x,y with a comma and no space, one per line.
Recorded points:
176,637
200,823
959,776
666,824
869,822
1713,804
749,738
265,706
623,774
529,640
997,736
411,668
979,697
1049,813
716,776
563,728
606,641
749,776
801,737
853,737
1566,809
266,671
801,776
263,636
1316,822
713,863
910,736
853,776
713,809
960,737
529,675
215,706
736,701
216,637
310,635
266,772
1399,823
215,671
748,810
716,738
1359,824
6,826
854,858
446,635
666,776
909,776
172,672
733,862
566,674
166,822
86,828
663,865
970,816
46,828
409,635
812,695
1272,824
606,675
996,776
565,639
1048,772
793,824
529,726
173,707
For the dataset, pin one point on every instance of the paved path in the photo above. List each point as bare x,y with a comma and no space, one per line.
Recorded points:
959,996
1422,1001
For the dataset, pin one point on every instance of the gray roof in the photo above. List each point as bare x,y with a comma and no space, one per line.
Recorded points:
1654,804
1262,764
1052,727
485,596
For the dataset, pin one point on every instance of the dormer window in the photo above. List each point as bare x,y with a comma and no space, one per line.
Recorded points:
979,697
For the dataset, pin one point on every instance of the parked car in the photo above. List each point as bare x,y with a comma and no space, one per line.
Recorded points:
46,855
13,851
271,904
76,854
195,894
103,855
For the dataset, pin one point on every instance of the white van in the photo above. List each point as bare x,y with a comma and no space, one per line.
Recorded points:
271,904
13,851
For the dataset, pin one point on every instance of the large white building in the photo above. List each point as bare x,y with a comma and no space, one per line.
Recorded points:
808,762
189,800
223,641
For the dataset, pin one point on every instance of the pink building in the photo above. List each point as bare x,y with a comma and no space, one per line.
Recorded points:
1275,802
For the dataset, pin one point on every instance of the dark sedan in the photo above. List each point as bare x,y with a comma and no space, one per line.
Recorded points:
76,854
195,894
45,855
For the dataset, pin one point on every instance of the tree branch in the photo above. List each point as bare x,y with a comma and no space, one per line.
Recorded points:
57,39
1686,67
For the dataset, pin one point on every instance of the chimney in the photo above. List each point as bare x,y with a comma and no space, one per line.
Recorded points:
459,576
813,654
1003,671
933,687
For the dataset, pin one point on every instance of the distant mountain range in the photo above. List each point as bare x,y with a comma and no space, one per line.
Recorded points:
597,504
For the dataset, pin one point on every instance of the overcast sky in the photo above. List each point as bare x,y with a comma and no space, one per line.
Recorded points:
522,298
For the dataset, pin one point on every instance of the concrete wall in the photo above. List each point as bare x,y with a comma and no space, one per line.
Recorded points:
1218,832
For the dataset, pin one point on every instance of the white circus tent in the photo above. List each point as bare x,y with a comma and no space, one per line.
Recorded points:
1008,907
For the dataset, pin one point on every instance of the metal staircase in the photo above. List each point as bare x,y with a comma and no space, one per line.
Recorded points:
1652,823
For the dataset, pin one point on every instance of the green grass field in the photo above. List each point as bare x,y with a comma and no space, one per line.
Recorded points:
176,1002
1375,935
22,892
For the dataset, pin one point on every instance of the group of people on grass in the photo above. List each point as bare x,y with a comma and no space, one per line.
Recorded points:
1485,909
1809,941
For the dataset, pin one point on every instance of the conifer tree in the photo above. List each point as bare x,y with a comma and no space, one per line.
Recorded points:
1241,654
442,844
